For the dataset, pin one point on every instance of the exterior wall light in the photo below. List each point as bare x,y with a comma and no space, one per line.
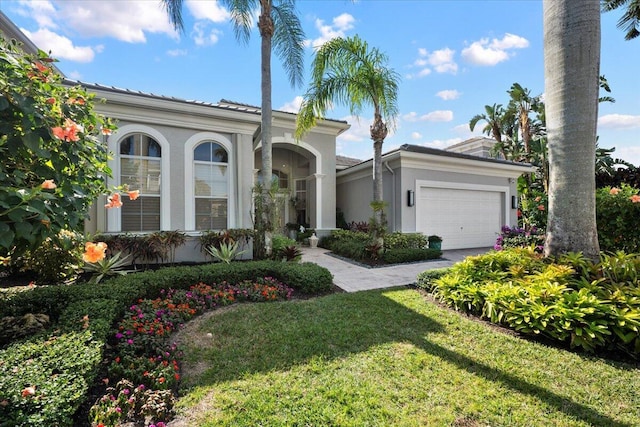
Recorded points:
411,198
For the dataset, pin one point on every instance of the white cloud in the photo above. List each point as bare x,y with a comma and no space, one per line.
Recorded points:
448,95
510,41
439,60
340,25
416,135
177,52
60,46
359,130
75,75
488,53
292,106
434,116
129,21
204,37
464,131
208,10
619,121
630,154
441,143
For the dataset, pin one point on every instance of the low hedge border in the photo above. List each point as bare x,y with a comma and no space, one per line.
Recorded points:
63,362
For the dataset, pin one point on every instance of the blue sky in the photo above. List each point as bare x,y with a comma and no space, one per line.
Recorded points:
454,57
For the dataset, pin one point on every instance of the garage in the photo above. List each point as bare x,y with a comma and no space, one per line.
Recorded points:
464,218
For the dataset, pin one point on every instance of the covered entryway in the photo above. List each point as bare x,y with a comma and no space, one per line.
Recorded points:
463,217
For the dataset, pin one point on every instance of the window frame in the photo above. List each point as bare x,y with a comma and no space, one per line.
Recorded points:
189,192
114,215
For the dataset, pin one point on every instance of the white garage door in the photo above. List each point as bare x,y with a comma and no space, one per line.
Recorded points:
463,218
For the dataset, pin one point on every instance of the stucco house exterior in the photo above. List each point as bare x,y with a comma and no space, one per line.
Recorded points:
463,198
196,164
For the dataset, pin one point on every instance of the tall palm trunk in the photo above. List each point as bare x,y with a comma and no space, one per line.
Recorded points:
265,25
379,132
572,62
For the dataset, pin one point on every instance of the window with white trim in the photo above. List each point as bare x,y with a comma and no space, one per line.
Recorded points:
211,185
140,169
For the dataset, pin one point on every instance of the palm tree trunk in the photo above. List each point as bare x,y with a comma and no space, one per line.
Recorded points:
572,62
265,24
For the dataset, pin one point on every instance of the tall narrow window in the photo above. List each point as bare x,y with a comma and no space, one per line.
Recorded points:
140,168
211,184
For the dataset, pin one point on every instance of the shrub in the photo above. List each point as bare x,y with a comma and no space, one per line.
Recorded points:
57,259
400,255
399,240
571,300
516,237
278,242
618,218
426,279
44,380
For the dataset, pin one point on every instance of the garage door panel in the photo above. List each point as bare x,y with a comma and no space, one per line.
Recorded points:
464,218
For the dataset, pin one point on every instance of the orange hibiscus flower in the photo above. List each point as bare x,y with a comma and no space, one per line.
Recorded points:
48,184
635,198
134,194
113,201
67,133
614,191
94,252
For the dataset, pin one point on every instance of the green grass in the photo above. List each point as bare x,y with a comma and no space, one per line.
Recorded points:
390,357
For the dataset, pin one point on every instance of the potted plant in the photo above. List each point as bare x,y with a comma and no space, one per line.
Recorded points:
435,242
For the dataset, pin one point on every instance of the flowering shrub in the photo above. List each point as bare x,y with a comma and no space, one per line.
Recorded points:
533,210
516,237
53,162
144,358
618,218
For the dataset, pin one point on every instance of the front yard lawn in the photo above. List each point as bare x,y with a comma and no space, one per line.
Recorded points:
388,357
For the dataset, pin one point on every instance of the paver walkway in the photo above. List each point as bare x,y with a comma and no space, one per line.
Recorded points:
352,277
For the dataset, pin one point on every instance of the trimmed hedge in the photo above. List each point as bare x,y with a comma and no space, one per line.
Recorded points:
62,363
400,255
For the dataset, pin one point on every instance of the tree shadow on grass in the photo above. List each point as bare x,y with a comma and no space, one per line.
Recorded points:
266,337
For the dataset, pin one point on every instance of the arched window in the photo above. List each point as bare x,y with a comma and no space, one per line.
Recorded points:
211,185
140,168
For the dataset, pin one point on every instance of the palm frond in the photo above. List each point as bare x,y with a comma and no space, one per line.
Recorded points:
288,40
174,10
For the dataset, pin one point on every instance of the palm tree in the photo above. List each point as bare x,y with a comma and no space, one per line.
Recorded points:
494,116
346,71
280,30
523,104
630,20
571,66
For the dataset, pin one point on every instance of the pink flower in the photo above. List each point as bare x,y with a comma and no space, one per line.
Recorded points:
614,191
540,207
635,198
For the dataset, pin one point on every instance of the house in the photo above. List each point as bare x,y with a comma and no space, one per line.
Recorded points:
196,165
463,198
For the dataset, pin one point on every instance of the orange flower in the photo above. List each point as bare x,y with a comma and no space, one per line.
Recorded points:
538,198
79,101
134,194
635,198
48,184
94,252
106,131
540,207
113,201
614,191
161,380
28,391
69,132
51,101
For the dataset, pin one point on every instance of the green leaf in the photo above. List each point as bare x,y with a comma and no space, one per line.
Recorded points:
6,237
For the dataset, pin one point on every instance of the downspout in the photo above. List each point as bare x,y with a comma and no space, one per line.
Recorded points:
393,194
